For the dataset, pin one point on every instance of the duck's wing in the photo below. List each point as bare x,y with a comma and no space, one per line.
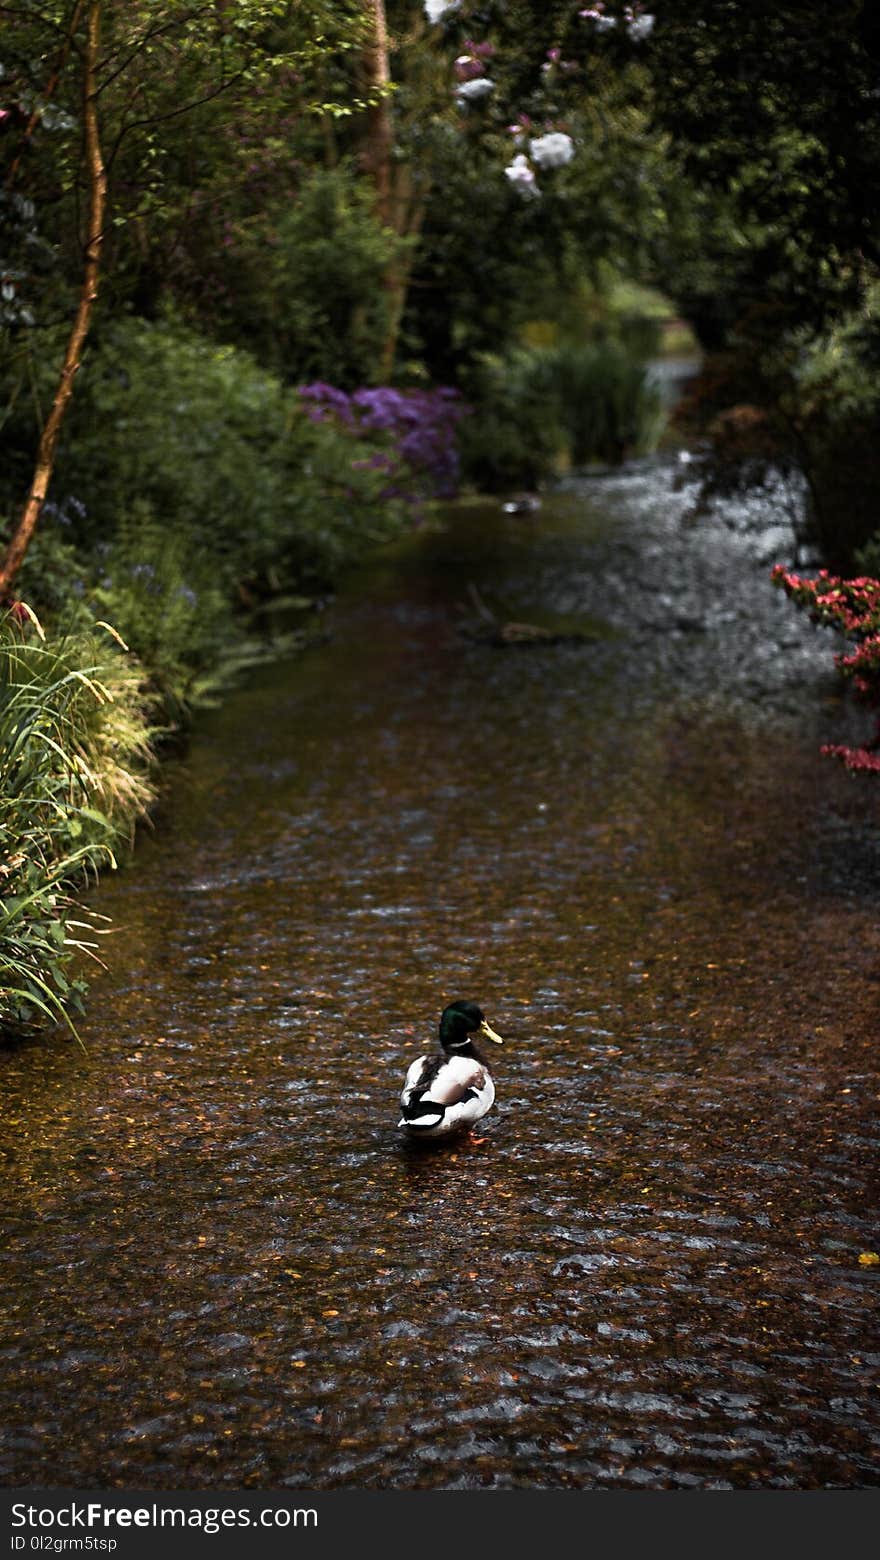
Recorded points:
417,1073
457,1079
441,1088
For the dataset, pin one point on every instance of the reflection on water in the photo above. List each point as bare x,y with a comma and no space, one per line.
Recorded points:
224,1267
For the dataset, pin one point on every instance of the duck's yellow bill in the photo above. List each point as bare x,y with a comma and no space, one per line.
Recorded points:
490,1033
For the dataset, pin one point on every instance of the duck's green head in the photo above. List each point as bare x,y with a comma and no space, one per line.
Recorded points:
458,1022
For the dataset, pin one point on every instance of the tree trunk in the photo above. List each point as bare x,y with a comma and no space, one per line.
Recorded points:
380,133
407,218
396,207
97,183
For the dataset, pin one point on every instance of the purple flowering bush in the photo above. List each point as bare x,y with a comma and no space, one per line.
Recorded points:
413,431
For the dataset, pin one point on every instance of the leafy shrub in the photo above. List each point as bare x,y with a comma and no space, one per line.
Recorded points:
853,607
806,407
834,409
302,284
74,777
223,457
416,430
511,438
568,404
165,597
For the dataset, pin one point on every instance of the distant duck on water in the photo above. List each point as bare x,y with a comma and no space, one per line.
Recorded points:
522,504
451,1091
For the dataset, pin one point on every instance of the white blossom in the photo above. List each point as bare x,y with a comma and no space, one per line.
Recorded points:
553,150
522,176
641,27
435,10
472,91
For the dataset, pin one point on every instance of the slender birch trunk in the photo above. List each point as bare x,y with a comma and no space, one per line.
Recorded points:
97,184
408,214
392,181
379,148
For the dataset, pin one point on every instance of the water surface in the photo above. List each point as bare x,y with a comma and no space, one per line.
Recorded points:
222,1266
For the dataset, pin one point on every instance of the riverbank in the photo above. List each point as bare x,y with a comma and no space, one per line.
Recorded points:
233,512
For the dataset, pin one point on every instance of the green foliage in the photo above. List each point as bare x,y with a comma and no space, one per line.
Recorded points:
165,597
511,438
169,425
191,99
490,260
190,484
74,777
604,402
806,404
774,118
834,408
771,246
301,285
570,405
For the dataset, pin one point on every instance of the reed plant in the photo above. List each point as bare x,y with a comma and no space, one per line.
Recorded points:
75,761
603,400
548,408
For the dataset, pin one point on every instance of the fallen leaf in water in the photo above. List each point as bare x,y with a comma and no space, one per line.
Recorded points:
869,1259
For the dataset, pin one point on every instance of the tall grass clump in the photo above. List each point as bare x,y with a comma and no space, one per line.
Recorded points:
557,407
603,400
75,759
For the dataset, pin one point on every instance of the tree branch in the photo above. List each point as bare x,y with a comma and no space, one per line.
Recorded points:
97,180
50,88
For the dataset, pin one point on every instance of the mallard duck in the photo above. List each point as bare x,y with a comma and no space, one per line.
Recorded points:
522,504
449,1092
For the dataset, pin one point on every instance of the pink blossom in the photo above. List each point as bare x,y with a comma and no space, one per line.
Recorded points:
595,14
854,759
467,68
853,607
483,51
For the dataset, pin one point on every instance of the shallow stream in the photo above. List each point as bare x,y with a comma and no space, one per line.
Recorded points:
221,1264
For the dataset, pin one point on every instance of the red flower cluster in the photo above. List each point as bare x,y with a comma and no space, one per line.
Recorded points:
856,760
852,607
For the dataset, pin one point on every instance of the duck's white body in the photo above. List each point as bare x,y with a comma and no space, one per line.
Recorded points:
444,1094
